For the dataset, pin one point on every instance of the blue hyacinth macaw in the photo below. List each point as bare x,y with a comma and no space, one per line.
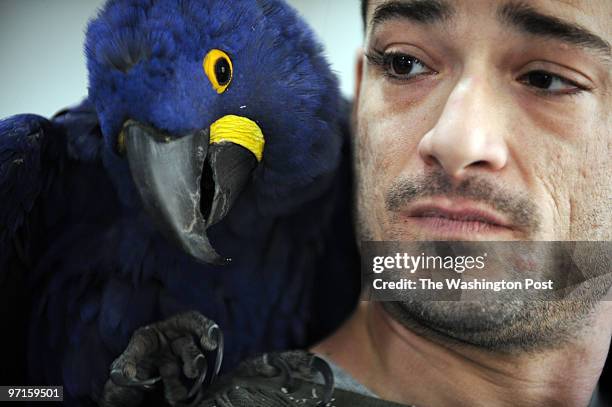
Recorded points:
213,130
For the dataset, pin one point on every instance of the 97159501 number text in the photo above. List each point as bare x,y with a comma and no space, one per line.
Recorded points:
31,393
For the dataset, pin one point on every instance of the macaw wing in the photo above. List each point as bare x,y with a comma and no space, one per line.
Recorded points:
32,153
26,150
24,141
38,180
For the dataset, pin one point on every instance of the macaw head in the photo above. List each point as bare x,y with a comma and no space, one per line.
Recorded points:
205,98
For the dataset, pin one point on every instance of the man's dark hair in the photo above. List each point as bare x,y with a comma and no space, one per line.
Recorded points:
364,11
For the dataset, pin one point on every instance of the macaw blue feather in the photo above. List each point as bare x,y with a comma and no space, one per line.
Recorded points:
96,266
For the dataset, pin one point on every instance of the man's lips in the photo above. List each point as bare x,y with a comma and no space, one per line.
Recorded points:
452,218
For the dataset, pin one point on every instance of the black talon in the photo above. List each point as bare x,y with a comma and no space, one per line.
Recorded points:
215,330
321,366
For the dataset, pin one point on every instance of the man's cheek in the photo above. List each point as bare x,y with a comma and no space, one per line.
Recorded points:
373,164
590,200
389,145
554,207
371,148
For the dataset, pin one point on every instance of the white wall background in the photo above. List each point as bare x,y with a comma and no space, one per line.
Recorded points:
42,65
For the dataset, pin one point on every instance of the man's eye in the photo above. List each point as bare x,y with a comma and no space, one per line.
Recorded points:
398,65
550,83
404,66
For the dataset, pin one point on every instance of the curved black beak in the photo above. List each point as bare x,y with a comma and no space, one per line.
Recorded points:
186,184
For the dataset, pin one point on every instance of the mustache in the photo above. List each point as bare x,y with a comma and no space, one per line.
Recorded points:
520,210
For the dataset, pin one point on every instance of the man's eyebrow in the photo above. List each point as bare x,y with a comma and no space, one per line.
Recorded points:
527,19
420,11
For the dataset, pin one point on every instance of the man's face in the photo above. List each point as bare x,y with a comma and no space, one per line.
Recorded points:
485,120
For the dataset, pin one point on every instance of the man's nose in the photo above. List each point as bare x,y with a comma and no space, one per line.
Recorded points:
470,131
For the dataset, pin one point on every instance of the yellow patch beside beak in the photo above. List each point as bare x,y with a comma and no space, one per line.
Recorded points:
238,130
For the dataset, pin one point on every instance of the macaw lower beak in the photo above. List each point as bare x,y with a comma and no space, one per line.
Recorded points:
188,184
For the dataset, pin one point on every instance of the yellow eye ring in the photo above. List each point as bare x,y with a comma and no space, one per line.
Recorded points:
219,69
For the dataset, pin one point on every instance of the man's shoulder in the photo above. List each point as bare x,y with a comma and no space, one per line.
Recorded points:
294,378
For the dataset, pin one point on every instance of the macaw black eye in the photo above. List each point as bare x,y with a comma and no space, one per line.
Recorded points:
219,69
222,71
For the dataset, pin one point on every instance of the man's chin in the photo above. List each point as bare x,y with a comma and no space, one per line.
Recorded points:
499,326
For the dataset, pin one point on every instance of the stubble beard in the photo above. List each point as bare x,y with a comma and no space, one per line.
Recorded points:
511,326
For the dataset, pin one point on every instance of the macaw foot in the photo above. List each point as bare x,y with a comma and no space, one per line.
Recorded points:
173,352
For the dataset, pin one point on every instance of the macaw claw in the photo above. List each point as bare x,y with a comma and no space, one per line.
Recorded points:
172,352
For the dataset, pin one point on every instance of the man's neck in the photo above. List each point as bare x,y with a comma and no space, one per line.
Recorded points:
401,366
